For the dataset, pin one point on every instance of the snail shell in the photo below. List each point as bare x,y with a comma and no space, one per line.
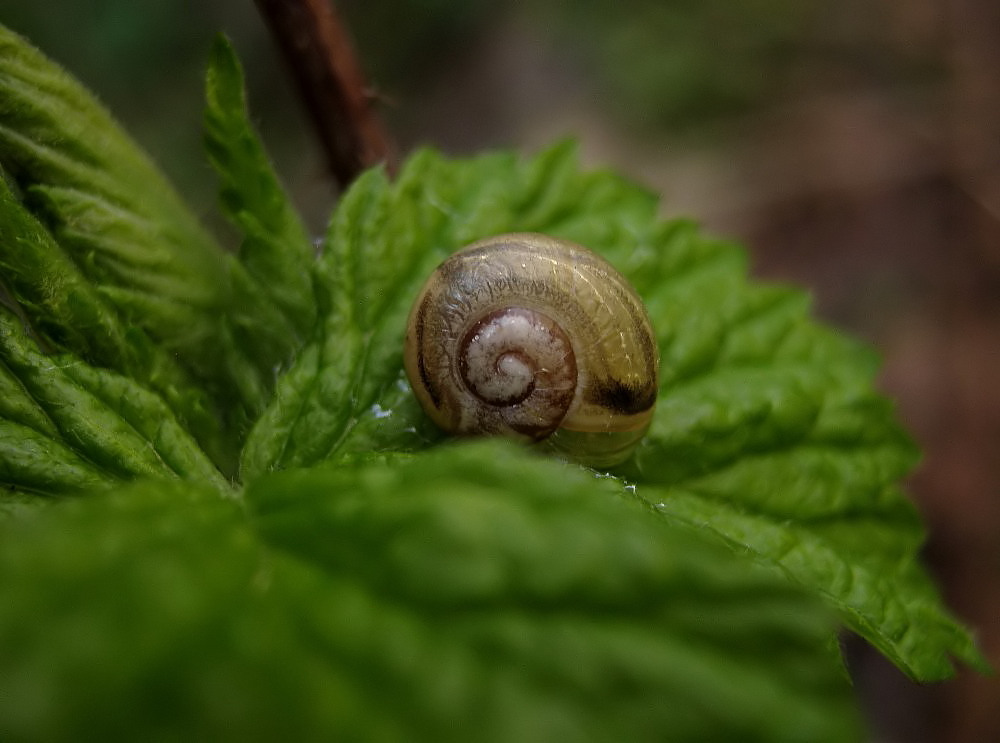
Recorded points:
530,336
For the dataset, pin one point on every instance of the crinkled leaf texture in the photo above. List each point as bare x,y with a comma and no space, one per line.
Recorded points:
110,265
768,432
389,585
67,427
456,596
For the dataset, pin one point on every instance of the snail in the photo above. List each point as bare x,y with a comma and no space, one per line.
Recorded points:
534,337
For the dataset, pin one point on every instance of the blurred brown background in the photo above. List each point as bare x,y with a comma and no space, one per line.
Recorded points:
853,146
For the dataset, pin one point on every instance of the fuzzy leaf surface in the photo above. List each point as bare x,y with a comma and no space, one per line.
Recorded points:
69,312
275,249
475,592
122,228
106,204
66,427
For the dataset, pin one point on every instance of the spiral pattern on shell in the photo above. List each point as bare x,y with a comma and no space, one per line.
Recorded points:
527,335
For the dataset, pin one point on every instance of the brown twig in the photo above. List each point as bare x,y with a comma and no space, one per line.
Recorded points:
322,60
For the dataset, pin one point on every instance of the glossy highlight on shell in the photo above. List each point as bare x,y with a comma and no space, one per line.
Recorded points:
530,336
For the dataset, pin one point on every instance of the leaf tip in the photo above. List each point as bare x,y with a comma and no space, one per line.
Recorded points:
224,76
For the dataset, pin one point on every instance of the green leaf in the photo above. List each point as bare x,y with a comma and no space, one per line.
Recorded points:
275,250
70,313
106,204
768,431
127,233
17,504
474,593
339,375
345,393
66,427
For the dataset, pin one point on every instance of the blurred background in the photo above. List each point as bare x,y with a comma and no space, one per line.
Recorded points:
853,146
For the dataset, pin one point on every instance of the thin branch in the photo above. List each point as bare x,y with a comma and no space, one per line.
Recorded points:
321,57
